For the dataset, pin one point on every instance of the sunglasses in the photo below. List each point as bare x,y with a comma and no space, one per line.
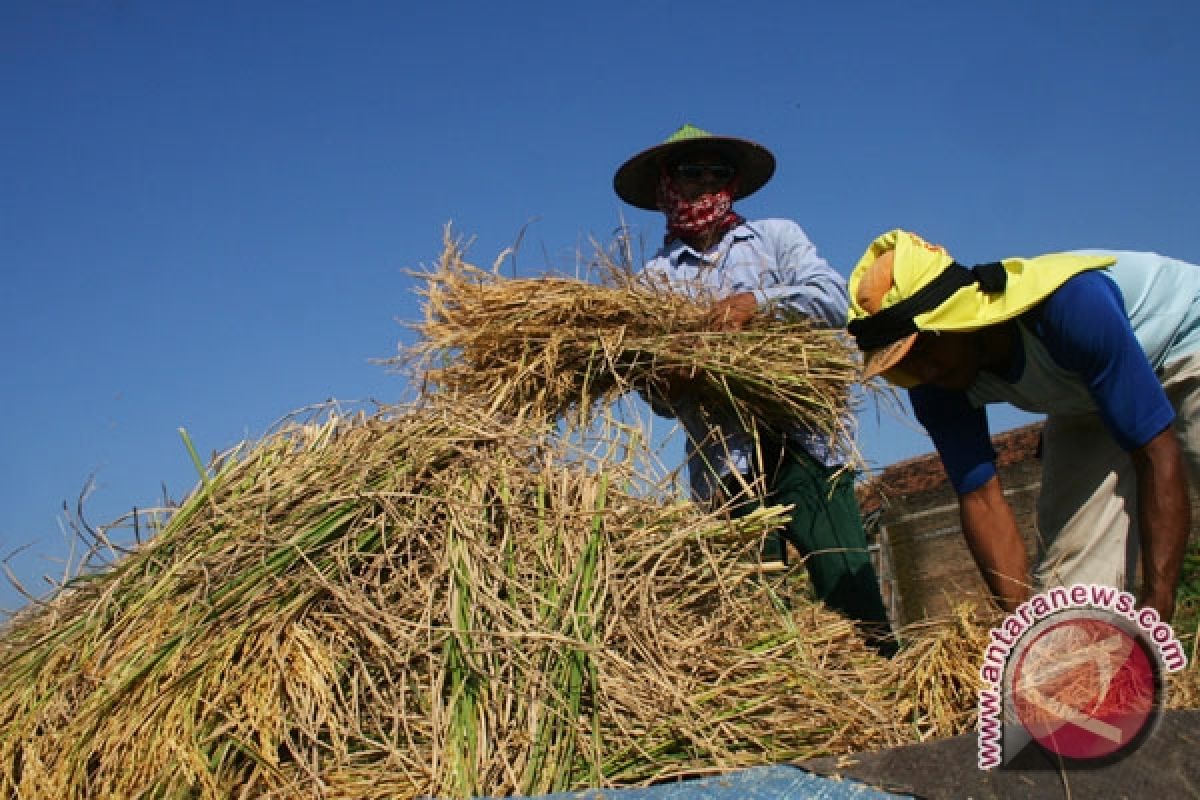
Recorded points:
698,172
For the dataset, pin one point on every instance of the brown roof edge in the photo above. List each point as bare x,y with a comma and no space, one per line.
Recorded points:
924,473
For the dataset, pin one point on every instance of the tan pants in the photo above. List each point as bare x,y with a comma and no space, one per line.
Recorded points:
1087,510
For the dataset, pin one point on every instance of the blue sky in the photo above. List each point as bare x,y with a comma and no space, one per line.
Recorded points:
208,208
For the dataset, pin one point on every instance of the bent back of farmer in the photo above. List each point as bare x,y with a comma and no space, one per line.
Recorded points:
1106,344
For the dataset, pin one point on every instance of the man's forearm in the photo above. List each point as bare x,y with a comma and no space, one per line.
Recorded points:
996,544
1164,517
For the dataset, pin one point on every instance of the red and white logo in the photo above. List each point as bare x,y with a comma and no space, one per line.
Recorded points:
1076,672
1084,688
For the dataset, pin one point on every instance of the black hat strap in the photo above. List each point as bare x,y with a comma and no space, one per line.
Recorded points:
895,322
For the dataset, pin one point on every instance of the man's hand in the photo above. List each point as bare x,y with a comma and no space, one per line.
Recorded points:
729,314
1161,600
1164,514
677,382
733,312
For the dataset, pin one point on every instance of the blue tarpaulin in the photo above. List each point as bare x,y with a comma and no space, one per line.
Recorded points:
757,783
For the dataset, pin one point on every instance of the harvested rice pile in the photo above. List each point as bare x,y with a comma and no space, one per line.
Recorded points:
416,605
453,599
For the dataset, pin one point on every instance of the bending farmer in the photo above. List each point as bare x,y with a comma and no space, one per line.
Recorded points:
1106,344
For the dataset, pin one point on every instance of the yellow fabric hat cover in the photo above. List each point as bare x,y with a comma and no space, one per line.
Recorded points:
916,263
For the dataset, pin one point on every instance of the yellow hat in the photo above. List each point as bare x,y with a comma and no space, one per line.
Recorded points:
903,285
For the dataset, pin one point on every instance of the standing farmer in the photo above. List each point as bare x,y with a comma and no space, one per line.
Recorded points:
756,267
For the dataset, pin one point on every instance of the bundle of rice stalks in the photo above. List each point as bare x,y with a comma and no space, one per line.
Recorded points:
937,680
1183,687
546,345
414,604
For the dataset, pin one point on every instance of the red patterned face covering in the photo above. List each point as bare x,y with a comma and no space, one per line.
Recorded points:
710,213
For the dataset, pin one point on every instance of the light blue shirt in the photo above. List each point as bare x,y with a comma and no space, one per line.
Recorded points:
773,259
1161,299
1093,346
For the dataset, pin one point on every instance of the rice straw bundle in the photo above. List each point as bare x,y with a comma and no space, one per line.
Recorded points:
937,672
414,605
937,681
543,346
1183,687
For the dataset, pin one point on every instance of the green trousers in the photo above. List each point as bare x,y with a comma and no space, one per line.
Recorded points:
826,528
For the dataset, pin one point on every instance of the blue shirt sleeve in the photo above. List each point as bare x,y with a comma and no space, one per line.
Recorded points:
1086,330
799,281
960,434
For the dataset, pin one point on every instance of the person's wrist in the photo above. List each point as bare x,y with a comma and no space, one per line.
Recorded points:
1160,599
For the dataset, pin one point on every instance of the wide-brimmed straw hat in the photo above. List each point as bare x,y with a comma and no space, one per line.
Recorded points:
636,181
904,285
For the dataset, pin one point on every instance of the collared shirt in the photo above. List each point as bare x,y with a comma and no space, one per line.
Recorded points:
775,260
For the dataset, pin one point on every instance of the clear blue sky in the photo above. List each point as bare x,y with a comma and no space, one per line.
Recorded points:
207,208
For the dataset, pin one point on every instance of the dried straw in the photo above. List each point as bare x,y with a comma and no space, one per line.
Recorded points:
412,605
452,600
544,346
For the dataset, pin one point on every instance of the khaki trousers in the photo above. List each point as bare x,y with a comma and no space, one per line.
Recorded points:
1087,510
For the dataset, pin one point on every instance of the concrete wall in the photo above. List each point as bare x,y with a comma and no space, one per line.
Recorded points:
916,538
922,558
